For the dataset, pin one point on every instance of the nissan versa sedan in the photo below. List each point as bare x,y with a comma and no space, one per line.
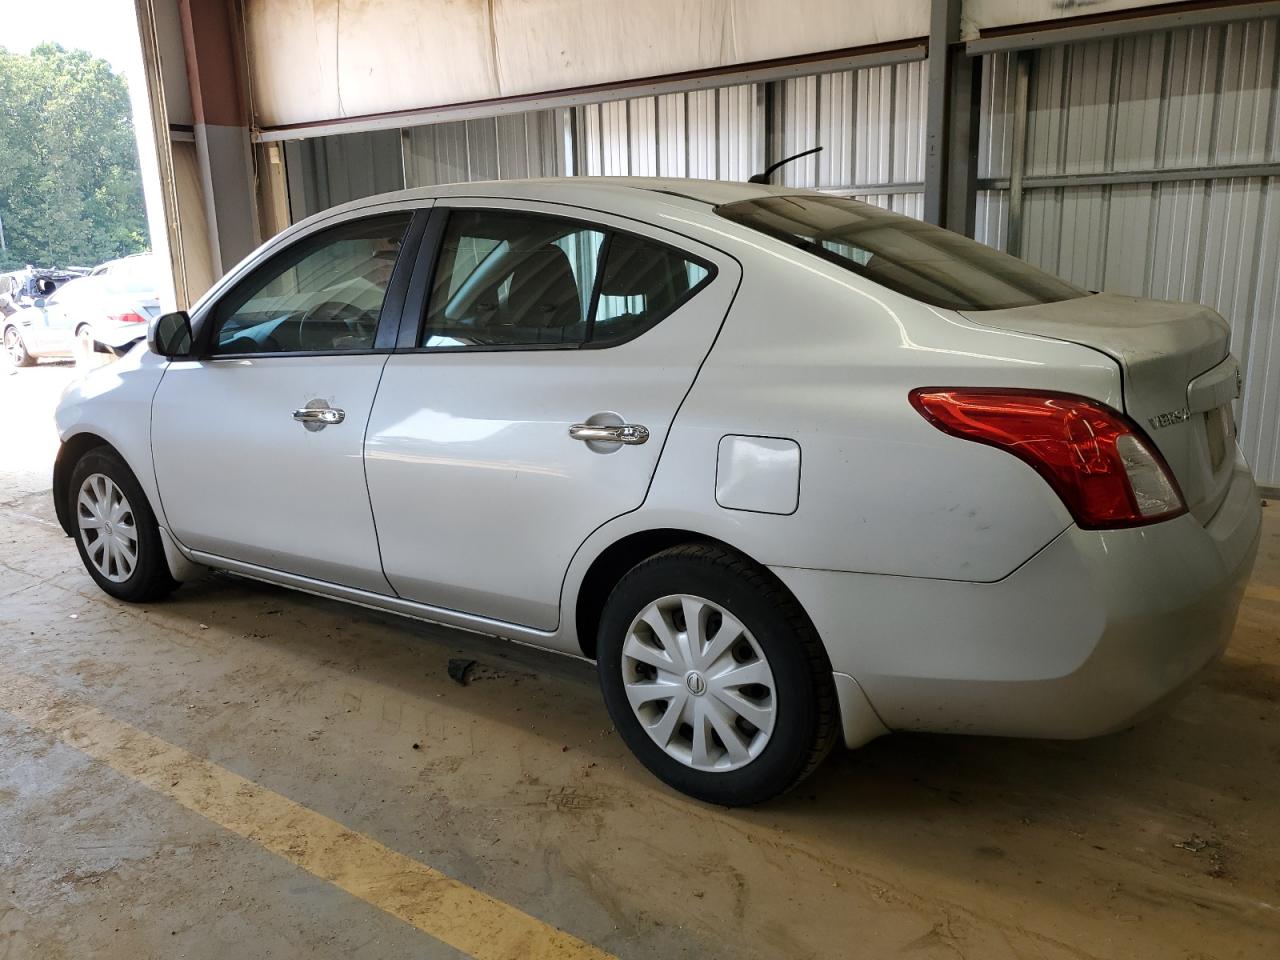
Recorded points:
789,468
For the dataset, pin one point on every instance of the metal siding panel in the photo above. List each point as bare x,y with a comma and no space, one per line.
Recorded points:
1128,240
736,132
875,111
1248,92
1179,239
1260,407
1045,111
1141,67
1191,76
1081,249
996,130
592,140
799,131
992,217
615,159
672,140
907,122
642,127
837,120
327,171
701,113
1087,117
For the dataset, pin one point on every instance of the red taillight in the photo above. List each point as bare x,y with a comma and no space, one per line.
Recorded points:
129,317
1098,461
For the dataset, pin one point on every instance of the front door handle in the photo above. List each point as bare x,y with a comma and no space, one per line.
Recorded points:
317,417
628,433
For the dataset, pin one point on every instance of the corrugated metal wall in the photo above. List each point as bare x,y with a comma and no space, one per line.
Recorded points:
326,171
1183,105
870,124
495,148
708,134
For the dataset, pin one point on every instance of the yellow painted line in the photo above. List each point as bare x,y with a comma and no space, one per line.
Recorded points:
1258,591
444,908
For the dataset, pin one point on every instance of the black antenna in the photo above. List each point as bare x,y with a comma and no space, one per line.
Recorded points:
764,177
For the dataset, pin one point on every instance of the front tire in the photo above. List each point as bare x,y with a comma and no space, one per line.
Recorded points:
116,532
714,676
16,349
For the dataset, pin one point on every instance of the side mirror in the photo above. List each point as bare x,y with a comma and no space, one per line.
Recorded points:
39,303
169,335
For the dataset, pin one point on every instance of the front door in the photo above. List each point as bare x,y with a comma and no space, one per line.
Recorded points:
551,359
258,444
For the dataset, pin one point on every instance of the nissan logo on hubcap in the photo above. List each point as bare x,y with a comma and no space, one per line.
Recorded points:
697,686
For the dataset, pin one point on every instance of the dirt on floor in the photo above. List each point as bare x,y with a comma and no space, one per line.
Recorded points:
1162,842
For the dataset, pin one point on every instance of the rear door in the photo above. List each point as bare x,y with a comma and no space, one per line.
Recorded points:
258,444
532,397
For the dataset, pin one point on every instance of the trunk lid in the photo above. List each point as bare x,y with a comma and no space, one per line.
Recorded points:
1179,380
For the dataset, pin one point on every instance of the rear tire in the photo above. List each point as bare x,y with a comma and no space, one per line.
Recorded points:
115,530
751,681
16,349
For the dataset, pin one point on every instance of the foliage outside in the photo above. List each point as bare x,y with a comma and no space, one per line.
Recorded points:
70,191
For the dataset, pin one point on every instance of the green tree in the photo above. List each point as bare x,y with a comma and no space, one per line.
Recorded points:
70,191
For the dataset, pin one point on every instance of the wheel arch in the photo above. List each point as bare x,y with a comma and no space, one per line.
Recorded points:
69,454
613,562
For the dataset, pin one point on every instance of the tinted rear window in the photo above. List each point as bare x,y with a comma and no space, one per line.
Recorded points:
917,259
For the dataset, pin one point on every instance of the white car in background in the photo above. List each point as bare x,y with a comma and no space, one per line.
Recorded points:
110,307
790,468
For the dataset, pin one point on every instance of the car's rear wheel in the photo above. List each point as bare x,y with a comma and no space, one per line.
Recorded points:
15,349
116,532
714,676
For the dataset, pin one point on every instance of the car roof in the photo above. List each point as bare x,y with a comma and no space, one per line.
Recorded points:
712,192
627,196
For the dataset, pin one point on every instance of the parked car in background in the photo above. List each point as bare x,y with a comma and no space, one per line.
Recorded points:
110,307
574,413
21,288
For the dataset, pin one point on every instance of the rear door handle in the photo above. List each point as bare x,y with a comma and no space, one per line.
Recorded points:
629,433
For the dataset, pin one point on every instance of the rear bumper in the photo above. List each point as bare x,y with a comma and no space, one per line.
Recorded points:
1097,630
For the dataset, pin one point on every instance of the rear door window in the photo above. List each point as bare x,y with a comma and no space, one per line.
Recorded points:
511,280
917,259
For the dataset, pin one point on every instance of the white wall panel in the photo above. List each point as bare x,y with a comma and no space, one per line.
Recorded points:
316,60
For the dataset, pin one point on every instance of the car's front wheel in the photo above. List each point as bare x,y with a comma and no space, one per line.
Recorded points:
15,349
115,530
714,676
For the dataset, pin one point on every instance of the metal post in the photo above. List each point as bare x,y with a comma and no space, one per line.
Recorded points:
772,123
944,30
1018,151
960,205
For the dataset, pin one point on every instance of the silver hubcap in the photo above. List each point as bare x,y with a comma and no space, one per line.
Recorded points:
699,683
107,528
13,343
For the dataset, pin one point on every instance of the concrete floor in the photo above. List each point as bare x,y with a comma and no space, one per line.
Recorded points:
1161,842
